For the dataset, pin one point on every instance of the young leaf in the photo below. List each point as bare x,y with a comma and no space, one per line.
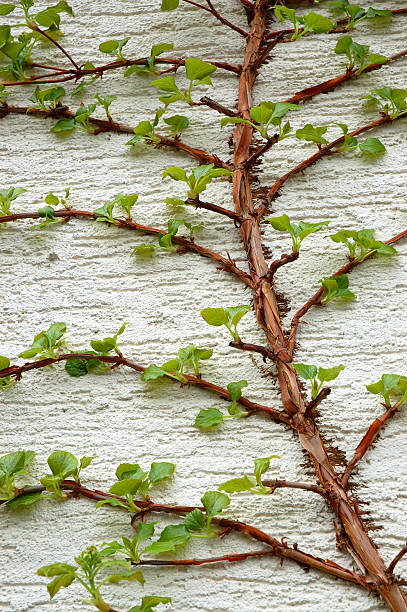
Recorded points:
62,463
77,367
237,485
308,372
372,146
197,69
235,389
160,471
214,502
206,419
23,501
312,134
194,520
149,603
214,316
336,287
328,374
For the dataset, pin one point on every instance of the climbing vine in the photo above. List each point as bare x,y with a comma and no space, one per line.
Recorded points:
255,131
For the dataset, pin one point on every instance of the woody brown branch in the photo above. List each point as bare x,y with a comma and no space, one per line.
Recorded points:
358,542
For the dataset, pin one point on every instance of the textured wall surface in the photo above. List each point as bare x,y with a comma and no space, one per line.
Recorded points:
81,273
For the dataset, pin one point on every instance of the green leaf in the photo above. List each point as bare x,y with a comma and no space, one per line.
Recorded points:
236,485
130,470
235,389
194,520
261,465
60,581
178,174
318,23
308,372
62,463
212,417
109,47
5,9
372,146
227,120
196,69
4,362
151,601
328,374
215,316
23,501
336,287
165,84
281,224
76,367
312,134
372,12
236,313
160,471
177,123
145,531
169,5
152,373
63,125
112,502
55,569
129,576
171,537
214,502
15,464
129,486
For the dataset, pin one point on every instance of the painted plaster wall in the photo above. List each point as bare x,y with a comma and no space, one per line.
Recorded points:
81,273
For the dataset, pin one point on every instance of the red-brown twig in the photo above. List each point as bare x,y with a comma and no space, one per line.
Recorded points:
223,110
116,360
211,9
284,259
366,441
331,84
188,245
276,352
197,203
76,74
396,559
315,299
56,43
232,558
325,150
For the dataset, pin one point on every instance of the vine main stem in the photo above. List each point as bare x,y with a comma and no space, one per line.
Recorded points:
359,544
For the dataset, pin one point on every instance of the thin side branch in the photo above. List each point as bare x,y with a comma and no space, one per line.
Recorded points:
278,548
117,360
324,151
187,245
56,43
397,558
367,440
344,21
211,9
63,112
316,298
78,73
232,558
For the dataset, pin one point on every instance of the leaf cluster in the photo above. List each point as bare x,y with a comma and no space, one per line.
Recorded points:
317,375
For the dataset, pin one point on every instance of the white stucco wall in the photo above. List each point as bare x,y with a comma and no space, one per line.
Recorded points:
81,273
